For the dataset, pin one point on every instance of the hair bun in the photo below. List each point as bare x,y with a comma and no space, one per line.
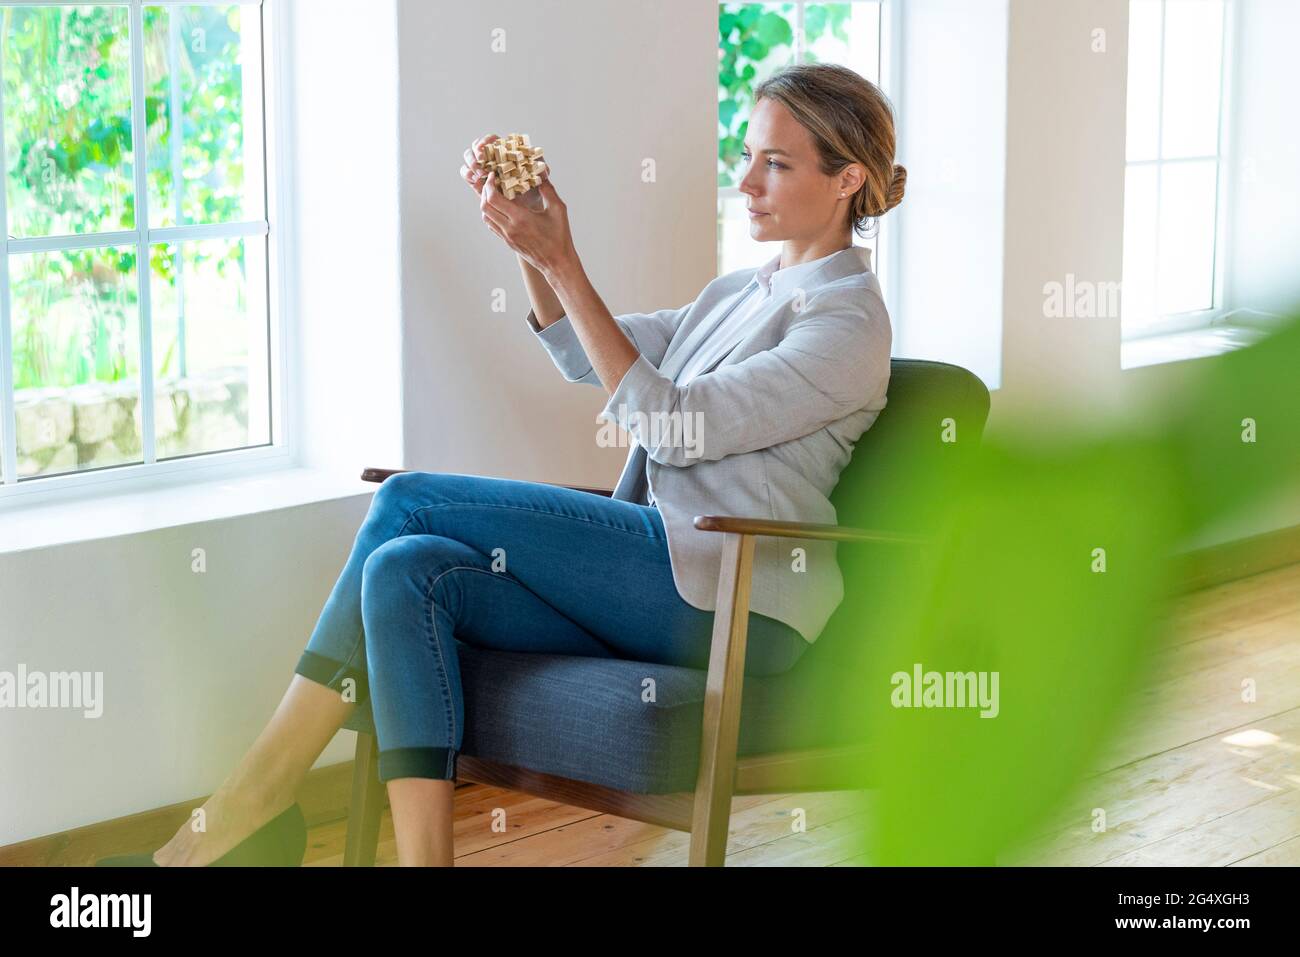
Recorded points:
897,187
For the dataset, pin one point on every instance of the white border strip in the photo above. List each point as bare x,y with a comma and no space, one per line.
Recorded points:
143,272
8,425
165,234
131,3
277,143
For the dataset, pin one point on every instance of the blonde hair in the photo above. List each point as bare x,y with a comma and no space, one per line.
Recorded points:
851,121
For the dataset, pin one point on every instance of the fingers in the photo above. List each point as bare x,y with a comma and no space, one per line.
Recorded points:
472,171
493,197
496,229
471,154
470,165
547,189
491,212
491,215
473,177
491,222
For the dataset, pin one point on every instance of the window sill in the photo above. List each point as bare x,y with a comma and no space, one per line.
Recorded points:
1181,346
102,515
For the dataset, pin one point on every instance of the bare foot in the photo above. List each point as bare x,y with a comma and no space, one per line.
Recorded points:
227,821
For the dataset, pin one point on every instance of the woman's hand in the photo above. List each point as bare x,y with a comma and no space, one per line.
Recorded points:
471,170
535,224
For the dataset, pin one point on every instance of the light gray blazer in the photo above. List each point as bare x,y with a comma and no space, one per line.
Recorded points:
764,433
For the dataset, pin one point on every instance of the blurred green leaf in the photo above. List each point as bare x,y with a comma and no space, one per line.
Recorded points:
774,30
1054,569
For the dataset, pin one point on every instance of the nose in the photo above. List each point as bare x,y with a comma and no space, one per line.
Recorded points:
747,180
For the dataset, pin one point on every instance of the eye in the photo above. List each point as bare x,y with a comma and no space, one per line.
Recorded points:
772,163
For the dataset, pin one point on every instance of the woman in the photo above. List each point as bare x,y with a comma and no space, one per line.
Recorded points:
745,402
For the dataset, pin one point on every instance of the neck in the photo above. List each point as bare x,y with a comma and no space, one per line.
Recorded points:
796,251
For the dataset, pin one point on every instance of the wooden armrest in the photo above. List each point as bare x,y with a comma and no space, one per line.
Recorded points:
378,475
832,533
724,684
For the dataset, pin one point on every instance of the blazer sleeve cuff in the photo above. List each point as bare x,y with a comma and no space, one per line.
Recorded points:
643,389
561,343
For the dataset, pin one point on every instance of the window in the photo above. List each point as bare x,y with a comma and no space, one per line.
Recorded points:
134,280
756,40
1173,209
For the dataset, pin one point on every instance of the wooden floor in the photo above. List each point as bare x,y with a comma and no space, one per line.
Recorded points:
1202,778
544,833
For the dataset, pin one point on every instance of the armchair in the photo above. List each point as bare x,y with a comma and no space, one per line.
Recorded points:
643,764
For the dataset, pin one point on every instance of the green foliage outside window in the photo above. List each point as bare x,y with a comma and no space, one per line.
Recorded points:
69,157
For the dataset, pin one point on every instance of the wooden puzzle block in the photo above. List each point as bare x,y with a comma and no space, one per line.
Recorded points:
518,165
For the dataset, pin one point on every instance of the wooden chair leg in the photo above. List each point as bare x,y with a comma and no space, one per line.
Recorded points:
711,815
367,804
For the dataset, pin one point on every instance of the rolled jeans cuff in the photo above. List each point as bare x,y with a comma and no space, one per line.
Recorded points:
332,674
436,763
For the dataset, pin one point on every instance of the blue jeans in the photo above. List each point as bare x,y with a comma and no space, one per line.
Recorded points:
514,566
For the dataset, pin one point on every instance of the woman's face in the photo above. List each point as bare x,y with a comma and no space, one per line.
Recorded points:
791,196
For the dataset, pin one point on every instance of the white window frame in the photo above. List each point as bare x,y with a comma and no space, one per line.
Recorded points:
887,239
1219,312
195,467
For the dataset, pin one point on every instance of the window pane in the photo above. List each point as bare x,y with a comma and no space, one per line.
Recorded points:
844,33
204,64
76,347
211,384
1193,43
755,40
1143,79
1185,279
1138,288
67,119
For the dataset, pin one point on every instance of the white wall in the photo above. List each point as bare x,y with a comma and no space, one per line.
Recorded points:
1263,227
1064,201
1264,202
345,204
953,141
601,87
193,664
1066,128
1264,196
